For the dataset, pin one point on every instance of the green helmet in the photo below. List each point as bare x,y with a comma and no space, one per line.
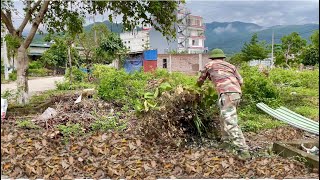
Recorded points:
217,53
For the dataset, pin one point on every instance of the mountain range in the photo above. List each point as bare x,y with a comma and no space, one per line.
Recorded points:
230,36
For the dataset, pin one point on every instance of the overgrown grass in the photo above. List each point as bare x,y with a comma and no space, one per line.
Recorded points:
65,85
298,91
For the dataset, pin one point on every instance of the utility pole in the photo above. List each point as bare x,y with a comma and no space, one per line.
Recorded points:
5,57
272,49
95,31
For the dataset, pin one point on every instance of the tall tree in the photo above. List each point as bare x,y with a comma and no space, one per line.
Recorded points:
111,48
60,15
90,41
292,45
310,54
315,39
255,49
57,54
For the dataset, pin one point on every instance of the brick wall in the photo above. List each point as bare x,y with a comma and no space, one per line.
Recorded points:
186,63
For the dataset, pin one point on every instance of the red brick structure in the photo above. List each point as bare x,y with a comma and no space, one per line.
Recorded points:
186,63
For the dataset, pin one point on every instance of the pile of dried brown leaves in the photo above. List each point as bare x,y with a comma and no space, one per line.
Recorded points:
149,150
38,154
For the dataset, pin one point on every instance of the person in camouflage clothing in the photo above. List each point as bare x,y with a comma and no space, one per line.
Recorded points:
227,82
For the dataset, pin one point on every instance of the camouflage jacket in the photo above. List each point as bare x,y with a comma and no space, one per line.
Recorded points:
223,75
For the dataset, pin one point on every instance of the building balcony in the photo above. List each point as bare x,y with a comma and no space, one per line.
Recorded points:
194,26
196,47
198,37
195,17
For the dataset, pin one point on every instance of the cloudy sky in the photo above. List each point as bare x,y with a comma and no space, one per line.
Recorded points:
262,12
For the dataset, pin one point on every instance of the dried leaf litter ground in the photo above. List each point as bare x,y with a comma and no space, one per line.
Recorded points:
137,152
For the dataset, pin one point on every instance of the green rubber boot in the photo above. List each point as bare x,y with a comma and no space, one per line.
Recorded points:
244,155
228,147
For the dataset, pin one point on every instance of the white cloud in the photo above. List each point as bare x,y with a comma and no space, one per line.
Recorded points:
228,28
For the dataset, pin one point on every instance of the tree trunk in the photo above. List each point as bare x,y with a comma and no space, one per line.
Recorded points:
69,55
55,71
22,75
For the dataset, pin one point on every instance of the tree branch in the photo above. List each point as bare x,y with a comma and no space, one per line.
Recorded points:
8,22
27,17
36,23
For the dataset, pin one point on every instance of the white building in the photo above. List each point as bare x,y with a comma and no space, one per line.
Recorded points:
190,36
136,41
190,32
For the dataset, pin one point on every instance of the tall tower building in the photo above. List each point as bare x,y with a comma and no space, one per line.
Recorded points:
190,32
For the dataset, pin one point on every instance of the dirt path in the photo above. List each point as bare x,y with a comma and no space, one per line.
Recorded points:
35,85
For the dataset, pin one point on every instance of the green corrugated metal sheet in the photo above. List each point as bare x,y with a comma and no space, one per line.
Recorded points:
40,45
291,118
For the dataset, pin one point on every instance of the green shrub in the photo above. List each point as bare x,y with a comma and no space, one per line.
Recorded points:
35,65
99,69
77,75
257,87
13,75
11,96
65,85
41,72
117,85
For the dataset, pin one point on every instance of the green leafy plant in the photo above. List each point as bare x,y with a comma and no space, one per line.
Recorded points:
27,124
70,130
65,85
105,124
38,72
13,75
77,75
35,65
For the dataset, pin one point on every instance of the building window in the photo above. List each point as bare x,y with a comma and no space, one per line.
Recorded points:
164,64
195,42
142,39
125,42
128,41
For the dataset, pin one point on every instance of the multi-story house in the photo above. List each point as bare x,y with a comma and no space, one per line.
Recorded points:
190,32
190,36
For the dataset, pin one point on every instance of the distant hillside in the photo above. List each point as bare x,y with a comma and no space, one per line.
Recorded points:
230,36
116,28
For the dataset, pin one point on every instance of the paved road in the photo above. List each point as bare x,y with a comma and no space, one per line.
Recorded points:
35,85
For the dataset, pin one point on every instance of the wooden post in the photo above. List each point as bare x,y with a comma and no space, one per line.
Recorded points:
200,62
170,63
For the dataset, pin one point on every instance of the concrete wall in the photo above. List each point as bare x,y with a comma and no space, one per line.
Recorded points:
159,42
186,63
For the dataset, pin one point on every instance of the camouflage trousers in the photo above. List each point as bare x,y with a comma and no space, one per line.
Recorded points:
230,131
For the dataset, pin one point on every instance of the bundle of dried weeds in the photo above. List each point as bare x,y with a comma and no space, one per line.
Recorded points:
173,121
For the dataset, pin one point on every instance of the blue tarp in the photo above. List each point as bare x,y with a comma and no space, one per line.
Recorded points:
133,64
150,55
85,70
